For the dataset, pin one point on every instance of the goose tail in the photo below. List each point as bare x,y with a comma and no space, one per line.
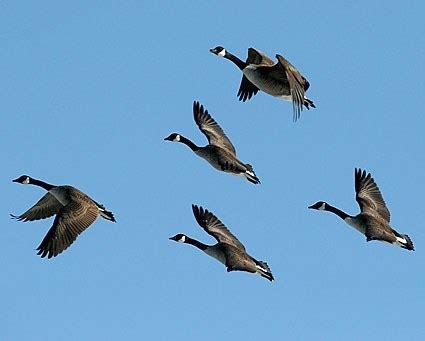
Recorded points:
263,270
308,103
405,242
250,175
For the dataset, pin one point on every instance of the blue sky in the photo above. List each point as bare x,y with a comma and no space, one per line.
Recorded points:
90,89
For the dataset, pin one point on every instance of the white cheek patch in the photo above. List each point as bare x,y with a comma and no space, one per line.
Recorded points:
222,53
322,208
26,181
177,138
182,239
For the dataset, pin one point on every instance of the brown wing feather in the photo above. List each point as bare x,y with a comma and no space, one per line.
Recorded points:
47,206
211,129
71,221
246,89
297,85
368,195
214,227
257,57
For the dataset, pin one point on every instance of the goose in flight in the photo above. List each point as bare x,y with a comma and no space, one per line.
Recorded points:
280,79
228,250
374,218
220,152
74,210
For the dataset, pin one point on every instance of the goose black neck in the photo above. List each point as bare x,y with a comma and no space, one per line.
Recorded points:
188,143
239,63
336,211
196,243
42,184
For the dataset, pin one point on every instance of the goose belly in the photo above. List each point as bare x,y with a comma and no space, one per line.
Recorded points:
211,158
356,223
216,253
270,86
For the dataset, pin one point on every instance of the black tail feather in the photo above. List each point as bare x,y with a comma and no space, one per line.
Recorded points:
264,270
308,103
108,215
409,245
250,175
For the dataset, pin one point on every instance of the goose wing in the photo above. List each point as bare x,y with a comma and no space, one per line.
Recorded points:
47,206
71,221
211,129
368,195
214,227
297,83
247,89
259,58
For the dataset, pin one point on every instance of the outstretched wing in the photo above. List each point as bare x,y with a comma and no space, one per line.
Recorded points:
71,221
211,129
368,195
257,57
214,227
47,206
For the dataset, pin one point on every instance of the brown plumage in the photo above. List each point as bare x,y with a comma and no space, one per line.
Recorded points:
374,218
220,152
280,79
228,250
74,210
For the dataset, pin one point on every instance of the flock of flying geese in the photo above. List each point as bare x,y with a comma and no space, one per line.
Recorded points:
75,211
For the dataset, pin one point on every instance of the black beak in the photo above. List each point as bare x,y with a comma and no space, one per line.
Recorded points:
310,206
16,180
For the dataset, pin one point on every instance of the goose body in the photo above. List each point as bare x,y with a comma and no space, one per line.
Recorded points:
374,218
228,250
75,211
280,79
220,152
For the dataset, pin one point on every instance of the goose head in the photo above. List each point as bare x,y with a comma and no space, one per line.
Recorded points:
23,179
320,205
179,237
174,137
219,51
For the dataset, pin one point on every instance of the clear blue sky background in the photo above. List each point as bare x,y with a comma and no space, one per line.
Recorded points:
90,89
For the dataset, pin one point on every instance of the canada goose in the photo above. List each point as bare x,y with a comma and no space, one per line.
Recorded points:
229,250
220,152
74,210
374,217
279,79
